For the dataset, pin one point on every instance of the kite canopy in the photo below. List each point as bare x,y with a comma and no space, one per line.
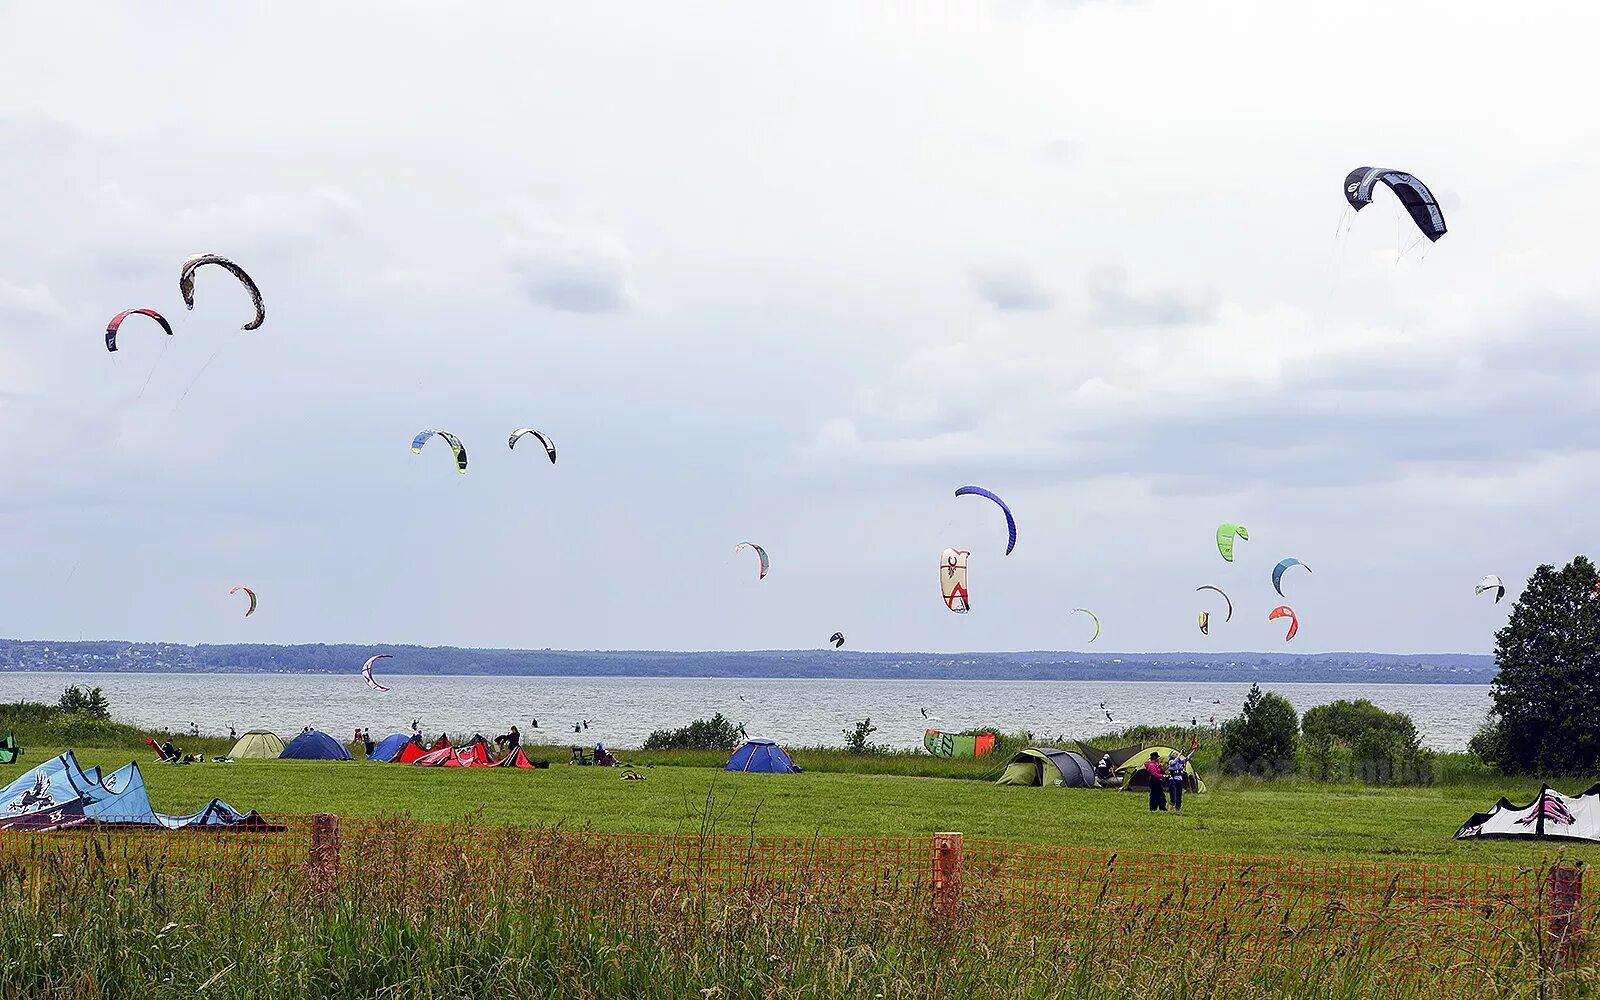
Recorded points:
252,609
1011,522
837,639
761,552
186,284
953,579
1284,611
10,749
257,744
521,432
315,745
955,745
1205,623
1278,571
1226,533
1413,194
366,670
1490,582
762,756
59,793
454,442
1044,766
1552,815
116,324
1094,617
1226,599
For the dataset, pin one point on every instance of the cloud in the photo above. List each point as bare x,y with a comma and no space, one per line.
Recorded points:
1115,304
1009,288
570,270
27,302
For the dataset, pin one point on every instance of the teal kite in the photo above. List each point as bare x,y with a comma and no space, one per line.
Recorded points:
765,563
1278,571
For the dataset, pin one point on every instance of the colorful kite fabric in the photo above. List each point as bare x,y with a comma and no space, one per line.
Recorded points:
1205,623
953,580
1413,194
366,670
521,432
116,323
186,284
1278,571
837,639
252,594
1011,522
1490,582
1094,617
1226,533
1284,611
454,442
1225,598
765,563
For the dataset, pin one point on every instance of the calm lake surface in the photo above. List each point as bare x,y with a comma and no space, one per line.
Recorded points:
622,711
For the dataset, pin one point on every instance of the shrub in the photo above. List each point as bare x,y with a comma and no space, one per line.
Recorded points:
1261,739
856,740
80,702
715,733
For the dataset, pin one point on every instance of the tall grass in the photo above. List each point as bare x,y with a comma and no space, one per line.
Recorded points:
465,912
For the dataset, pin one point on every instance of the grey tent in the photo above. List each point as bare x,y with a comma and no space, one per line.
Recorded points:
1046,766
1118,757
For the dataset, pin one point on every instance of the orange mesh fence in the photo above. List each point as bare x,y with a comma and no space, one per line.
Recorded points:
1476,914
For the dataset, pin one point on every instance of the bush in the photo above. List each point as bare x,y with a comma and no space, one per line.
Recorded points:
715,733
1357,739
856,741
1261,740
80,702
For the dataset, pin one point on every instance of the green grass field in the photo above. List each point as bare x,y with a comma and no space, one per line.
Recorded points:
1238,816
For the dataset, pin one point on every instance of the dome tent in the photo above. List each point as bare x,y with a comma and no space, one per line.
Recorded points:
314,745
1047,765
387,750
257,744
763,756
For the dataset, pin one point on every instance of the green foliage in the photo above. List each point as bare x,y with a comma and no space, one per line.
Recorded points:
1344,722
1358,740
1546,714
35,724
857,740
80,702
1261,739
715,733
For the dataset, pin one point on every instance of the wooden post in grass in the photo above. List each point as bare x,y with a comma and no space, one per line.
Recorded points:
947,851
1566,914
322,863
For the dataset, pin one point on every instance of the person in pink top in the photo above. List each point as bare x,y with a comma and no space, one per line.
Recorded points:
1158,781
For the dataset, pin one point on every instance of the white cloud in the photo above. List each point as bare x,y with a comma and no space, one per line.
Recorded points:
568,269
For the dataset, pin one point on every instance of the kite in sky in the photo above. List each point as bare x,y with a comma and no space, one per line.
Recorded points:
765,563
1226,533
1225,598
1490,582
116,324
252,594
450,439
366,670
549,447
1094,617
1413,194
1280,569
953,579
837,639
186,284
1011,522
1284,611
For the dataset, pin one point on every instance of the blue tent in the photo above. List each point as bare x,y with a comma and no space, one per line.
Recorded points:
390,748
59,793
315,745
764,756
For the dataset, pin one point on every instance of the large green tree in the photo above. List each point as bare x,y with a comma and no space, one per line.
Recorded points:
1261,738
1546,714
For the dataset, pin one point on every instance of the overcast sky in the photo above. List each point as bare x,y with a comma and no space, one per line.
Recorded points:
792,273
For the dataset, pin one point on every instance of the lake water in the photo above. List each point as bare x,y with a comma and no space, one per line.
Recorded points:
622,711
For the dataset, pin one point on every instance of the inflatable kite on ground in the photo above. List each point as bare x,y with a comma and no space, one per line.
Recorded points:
1490,582
366,670
953,579
252,594
1226,599
837,639
1095,618
765,564
116,323
61,793
1551,815
1413,194
521,432
1011,522
450,439
1284,611
186,284
1278,571
1226,533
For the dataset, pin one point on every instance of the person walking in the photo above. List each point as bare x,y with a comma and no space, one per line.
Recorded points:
1177,772
1157,778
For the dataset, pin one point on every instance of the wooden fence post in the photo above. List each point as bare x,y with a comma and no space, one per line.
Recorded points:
322,862
1566,914
947,851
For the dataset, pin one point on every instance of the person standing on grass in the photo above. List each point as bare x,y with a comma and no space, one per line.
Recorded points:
1157,777
1177,768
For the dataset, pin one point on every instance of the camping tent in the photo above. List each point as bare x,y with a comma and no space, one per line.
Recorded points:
59,793
1118,757
1135,776
9,750
952,745
1046,766
314,745
389,748
761,755
256,744
1551,815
